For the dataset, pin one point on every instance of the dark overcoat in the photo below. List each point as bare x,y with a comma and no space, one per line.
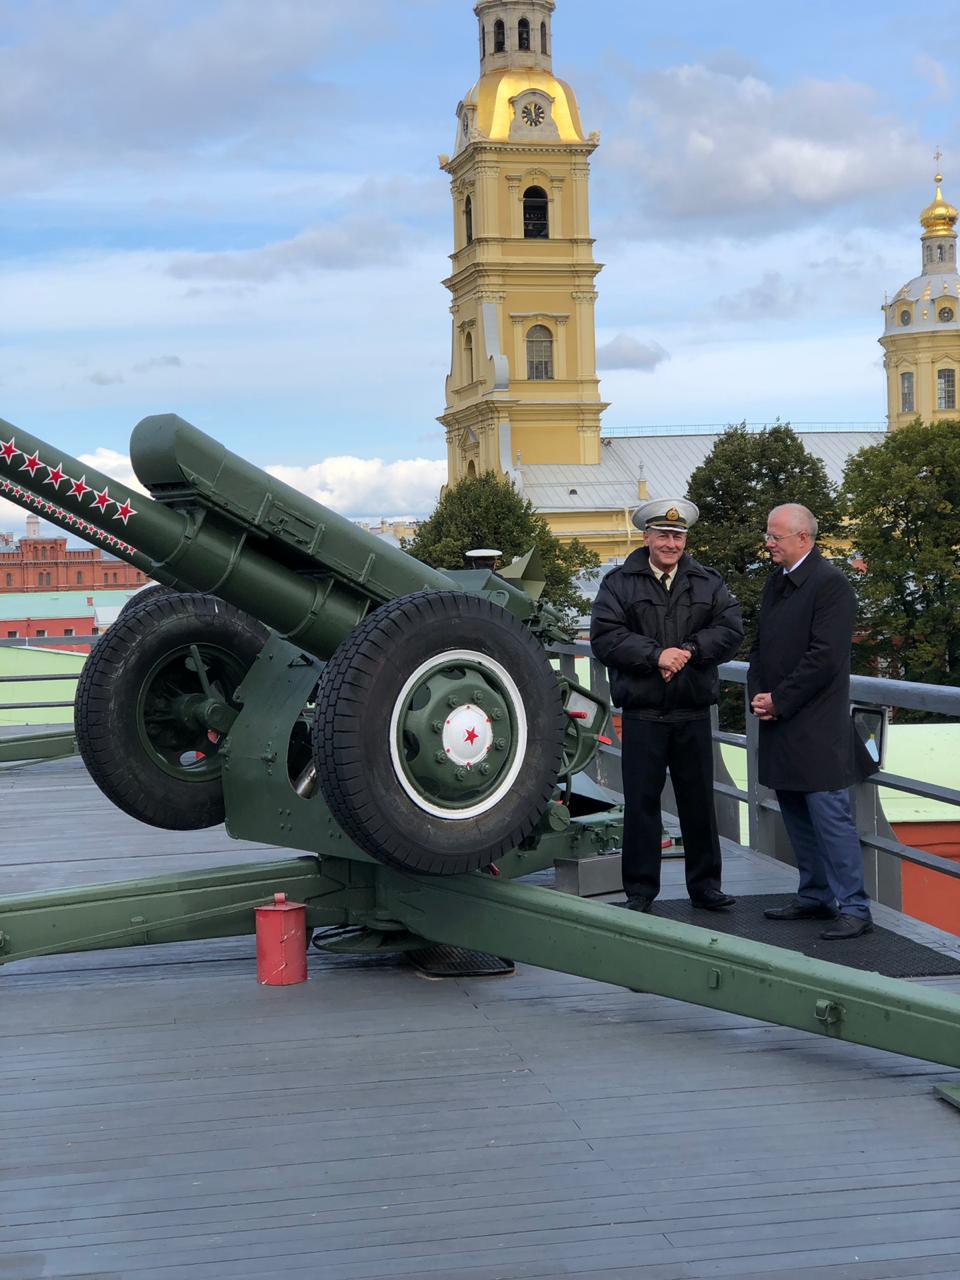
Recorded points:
634,619
801,656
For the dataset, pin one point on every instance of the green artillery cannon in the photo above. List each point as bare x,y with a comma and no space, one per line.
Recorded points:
317,689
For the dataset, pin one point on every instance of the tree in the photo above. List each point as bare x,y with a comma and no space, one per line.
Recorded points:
903,508
744,475
487,511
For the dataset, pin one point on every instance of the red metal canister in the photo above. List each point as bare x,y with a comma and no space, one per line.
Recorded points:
281,942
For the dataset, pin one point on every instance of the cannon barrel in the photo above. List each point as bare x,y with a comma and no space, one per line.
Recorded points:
218,524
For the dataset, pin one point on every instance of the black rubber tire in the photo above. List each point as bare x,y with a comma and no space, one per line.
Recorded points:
107,705
357,692
154,592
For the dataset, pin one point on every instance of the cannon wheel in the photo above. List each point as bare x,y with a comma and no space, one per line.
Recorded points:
139,720
154,592
439,733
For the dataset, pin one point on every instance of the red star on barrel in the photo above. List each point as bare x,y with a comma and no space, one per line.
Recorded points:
123,512
471,736
102,499
31,464
8,450
78,488
56,476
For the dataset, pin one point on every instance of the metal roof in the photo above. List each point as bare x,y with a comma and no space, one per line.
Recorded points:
59,604
666,462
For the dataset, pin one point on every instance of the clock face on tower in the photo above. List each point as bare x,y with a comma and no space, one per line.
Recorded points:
533,114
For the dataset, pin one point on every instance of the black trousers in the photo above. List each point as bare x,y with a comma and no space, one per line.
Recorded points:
650,747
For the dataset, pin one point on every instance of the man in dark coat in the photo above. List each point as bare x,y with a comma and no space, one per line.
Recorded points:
661,623
810,753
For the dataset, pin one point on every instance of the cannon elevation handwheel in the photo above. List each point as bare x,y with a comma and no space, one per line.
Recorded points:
439,733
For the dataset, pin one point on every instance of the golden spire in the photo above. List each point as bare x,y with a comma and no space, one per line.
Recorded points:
938,218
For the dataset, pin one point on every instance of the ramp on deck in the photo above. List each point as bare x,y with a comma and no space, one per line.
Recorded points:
163,1117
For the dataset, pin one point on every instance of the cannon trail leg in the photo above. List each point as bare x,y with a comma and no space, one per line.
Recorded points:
555,931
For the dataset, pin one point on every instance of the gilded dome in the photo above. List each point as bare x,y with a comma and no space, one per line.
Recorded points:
938,218
494,93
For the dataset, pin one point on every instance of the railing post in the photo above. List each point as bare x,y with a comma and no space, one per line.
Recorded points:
882,874
727,808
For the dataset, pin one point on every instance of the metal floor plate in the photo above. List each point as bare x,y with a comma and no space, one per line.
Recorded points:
457,962
880,951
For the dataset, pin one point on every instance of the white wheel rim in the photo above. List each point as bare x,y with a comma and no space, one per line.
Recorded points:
450,658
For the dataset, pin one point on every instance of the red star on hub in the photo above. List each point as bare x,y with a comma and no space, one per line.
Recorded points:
471,736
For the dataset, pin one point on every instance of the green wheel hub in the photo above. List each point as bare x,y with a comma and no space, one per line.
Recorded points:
458,733
185,708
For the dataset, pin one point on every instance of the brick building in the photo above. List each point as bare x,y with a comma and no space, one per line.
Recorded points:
39,563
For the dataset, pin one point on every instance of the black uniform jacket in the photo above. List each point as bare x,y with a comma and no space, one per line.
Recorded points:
801,657
634,619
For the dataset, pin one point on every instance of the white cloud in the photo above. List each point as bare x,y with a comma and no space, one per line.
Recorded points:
624,352
358,486
137,80
703,146
354,243
935,76
352,487
772,298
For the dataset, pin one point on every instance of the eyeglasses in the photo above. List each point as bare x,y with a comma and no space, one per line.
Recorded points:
779,537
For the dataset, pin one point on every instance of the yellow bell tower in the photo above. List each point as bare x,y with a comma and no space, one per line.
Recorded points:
523,381
921,337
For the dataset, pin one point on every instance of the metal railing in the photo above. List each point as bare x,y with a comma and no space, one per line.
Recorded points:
884,854
21,746
717,428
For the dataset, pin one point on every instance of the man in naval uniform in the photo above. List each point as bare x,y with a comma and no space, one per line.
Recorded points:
661,624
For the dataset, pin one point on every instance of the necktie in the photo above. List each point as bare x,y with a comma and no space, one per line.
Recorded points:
665,582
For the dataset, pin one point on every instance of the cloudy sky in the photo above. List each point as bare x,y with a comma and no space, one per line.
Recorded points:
233,210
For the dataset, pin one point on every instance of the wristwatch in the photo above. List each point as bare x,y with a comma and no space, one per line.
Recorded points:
690,647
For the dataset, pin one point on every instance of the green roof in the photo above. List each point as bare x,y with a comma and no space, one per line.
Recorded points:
15,661
58,604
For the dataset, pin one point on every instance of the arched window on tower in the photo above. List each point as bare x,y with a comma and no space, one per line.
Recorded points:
543,37
906,393
468,359
540,354
536,215
483,41
523,34
468,219
940,253
499,36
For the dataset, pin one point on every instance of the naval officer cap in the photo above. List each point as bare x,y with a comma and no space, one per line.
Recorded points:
666,513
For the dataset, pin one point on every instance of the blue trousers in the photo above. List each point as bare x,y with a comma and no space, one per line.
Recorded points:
825,841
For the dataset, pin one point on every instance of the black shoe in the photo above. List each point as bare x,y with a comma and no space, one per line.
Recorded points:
639,904
713,900
801,911
848,927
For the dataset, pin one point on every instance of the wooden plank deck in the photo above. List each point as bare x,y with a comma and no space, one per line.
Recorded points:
163,1117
